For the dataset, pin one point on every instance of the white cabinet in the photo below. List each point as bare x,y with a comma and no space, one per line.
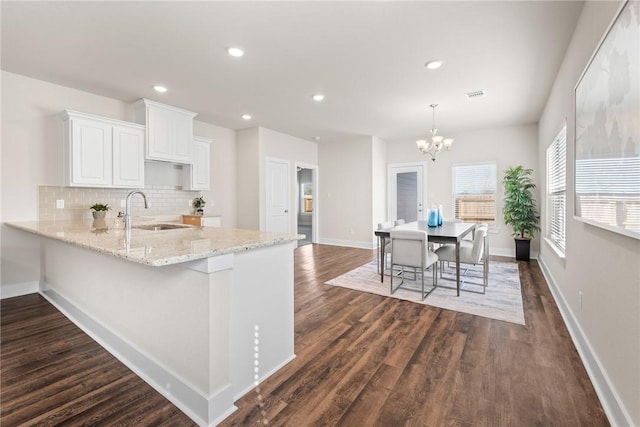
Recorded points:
169,131
102,152
197,175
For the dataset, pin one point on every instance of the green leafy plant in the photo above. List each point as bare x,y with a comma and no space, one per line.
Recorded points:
199,202
99,207
519,204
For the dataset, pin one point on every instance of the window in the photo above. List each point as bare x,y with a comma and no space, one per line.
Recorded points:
474,192
557,189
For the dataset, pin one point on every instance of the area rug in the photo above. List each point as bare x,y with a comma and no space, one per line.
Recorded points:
502,300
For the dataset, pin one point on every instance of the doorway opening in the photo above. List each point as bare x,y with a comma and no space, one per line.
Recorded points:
305,204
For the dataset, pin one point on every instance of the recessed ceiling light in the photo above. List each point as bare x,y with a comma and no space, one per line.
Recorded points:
235,51
246,116
433,65
318,97
160,89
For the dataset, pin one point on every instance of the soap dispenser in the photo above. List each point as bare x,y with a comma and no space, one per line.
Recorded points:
118,223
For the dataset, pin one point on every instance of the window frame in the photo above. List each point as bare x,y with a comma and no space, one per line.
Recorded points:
556,188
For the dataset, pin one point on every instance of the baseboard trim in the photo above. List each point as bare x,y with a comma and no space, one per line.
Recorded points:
204,410
347,243
19,289
264,377
611,403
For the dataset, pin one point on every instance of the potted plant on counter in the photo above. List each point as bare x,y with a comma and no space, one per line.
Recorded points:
520,208
99,210
198,205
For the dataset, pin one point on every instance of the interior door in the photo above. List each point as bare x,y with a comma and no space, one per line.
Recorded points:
406,192
277,197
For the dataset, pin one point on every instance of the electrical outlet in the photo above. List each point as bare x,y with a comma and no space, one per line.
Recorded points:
189,203
60,204
580,299
123,203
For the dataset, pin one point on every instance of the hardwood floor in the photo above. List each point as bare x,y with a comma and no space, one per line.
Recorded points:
367,360
362,360
52,373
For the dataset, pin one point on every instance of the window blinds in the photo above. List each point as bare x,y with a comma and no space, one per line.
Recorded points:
557,189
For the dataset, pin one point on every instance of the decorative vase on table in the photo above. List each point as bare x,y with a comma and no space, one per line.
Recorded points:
99,214
432,217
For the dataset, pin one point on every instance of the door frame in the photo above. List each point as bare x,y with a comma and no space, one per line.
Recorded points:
391,190
316,201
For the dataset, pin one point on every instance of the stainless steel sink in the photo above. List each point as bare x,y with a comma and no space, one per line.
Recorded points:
158,227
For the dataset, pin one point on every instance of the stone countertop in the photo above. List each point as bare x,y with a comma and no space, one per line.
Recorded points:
155,248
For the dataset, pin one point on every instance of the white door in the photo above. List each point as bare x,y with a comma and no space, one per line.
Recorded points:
406,192
277,197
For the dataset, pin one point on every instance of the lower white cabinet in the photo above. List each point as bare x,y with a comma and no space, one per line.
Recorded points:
197,175
102,152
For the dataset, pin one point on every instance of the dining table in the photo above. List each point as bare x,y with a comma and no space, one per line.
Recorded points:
449,232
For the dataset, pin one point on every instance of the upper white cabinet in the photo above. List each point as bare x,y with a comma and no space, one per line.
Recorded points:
197,175
169,131
102,152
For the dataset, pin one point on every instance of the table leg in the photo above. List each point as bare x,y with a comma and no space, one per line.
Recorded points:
458,267
383,243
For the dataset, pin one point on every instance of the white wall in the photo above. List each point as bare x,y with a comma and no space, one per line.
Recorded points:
379,181
509,146
346,192
603,265
32,156
247,179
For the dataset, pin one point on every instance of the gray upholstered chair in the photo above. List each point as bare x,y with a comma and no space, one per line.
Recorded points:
470,253
409,249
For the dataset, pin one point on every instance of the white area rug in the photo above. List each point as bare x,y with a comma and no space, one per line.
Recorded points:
502,301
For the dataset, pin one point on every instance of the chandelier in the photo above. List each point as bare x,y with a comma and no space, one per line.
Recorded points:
437,143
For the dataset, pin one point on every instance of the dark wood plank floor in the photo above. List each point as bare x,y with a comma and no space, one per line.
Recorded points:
52,373
367,360
362,360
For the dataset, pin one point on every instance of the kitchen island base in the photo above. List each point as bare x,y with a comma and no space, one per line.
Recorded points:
197,331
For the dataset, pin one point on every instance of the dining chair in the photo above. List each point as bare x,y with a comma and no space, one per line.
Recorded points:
409,249
387,246
470,253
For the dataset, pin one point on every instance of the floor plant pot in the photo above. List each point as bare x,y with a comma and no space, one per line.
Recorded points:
523,249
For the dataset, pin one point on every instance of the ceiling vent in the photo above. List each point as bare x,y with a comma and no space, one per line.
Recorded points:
476,94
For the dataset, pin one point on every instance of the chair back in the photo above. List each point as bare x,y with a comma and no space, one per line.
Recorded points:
408,247
478,244
398,222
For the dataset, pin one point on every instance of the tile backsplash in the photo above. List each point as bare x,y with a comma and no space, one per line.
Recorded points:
164,200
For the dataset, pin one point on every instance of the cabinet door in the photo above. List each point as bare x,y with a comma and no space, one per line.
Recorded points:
160,125
128,157
182,137
90,153
197,175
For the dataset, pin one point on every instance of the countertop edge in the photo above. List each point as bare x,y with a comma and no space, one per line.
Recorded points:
172,260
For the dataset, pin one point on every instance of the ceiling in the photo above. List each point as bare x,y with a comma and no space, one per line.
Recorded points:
367,58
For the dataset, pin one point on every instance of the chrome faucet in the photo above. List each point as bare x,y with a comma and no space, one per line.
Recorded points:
127,208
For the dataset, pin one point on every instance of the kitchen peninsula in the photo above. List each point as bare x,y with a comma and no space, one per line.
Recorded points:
195,311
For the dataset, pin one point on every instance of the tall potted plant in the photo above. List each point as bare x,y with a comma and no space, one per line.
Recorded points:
520,208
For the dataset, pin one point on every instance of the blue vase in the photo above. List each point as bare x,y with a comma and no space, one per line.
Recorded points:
432,218
439,215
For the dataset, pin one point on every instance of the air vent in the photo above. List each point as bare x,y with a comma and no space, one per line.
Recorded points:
476,94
